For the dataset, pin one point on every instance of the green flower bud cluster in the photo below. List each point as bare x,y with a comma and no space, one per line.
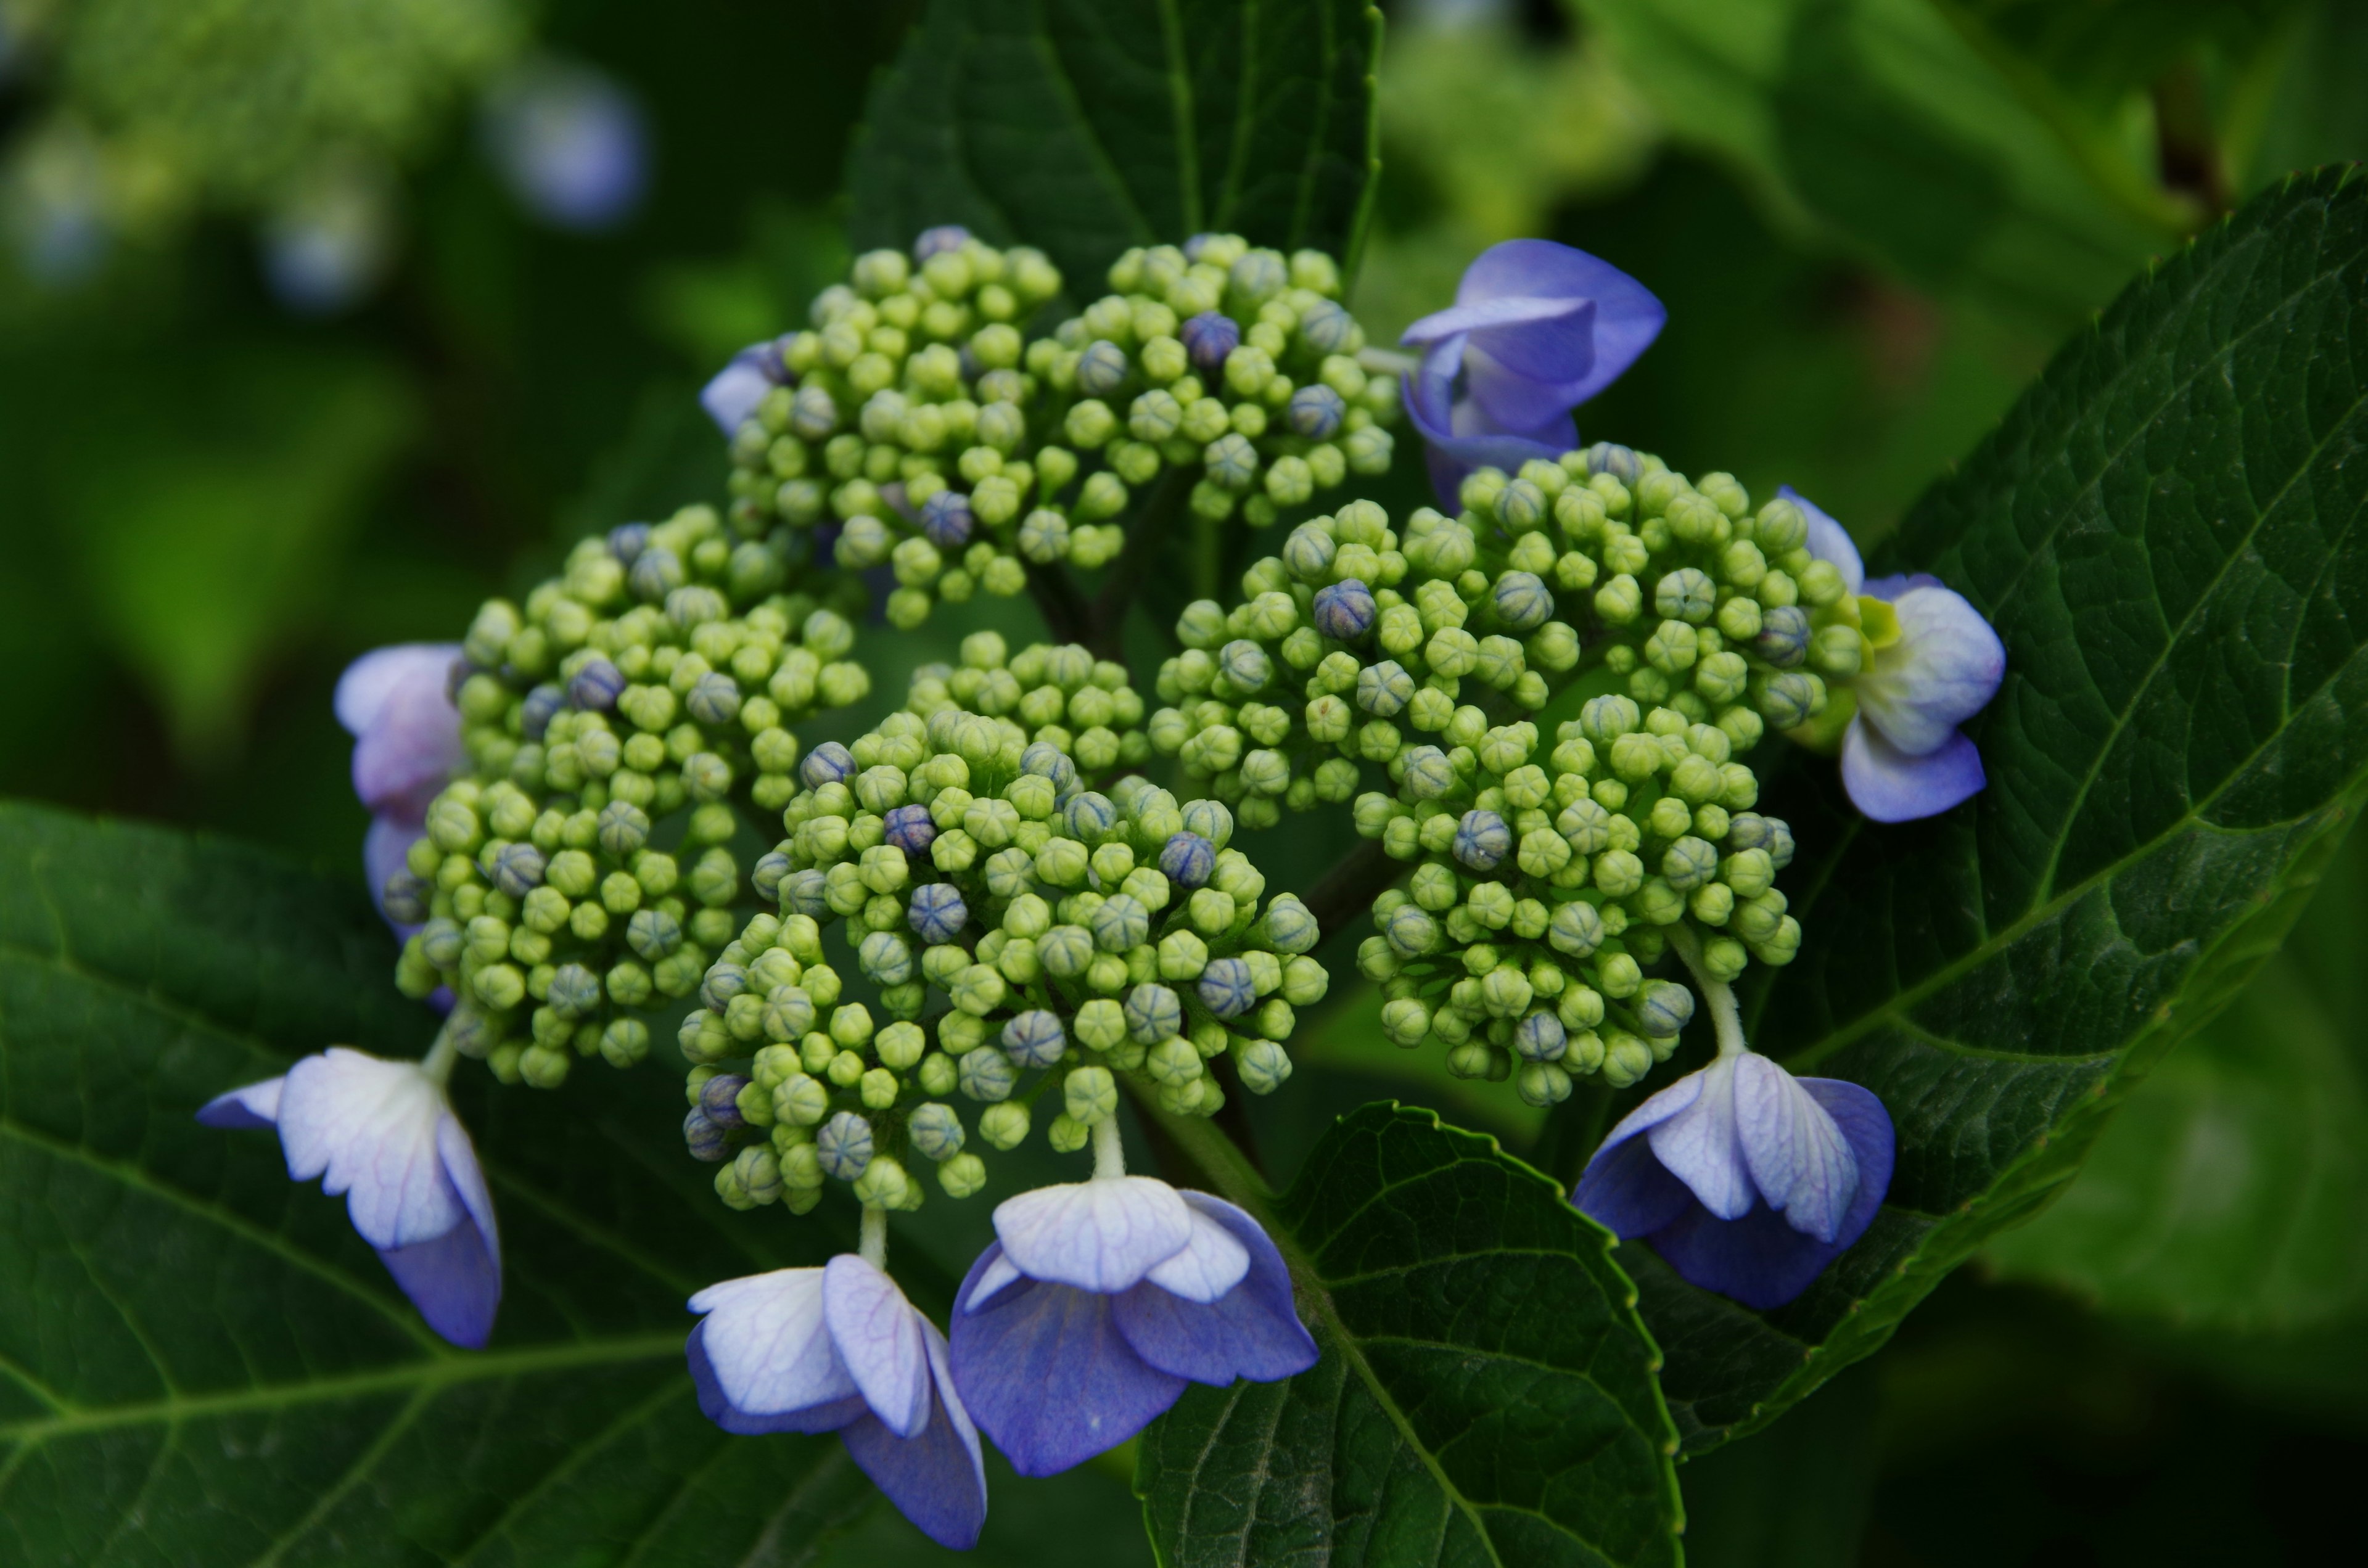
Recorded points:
956,452
1541,889
1030,941
1061,694
655,679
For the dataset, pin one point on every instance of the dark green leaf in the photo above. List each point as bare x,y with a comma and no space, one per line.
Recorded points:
1088,126
201,1363
2166,533
1486,1394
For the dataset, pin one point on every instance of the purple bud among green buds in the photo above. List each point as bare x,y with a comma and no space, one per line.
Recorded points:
627,540
595,688
946,518
656,572
1483,840
986,1076
714,698
944,237
1120,924
1101,368
910,829
829,763
1524,601
1048,761
1209,337
1245,664
542,705
1540,1038
1345,610
1316,411
938,913
1227,988
705,1140
719,1100
1187,859
1154,1014
518,869
1034,1039
1783,639
1621,462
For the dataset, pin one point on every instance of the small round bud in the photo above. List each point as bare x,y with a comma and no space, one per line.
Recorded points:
1540,1036
1209,337
1410,931
1188,860
1227,987
1522,601
938,913
1153,1013
1663,1007
1120,923
1316,412
986,1076
1577,928
1345,610
1090,1095
703,1138
1483,840
936,1130
1209,820
843,1145
1034,1039
1291,926
829,763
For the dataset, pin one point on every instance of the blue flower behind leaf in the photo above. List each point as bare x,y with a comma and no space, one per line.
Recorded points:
1537,328
1745,1180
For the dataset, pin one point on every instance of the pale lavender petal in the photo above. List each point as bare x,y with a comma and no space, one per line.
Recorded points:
454,1280
731,398
1798,1158
1001,1272
1699,1145
461,1168
1212,1263
937,1478
249,1105
370,1129
878,1337
765,1349
370,680
1629,1192
1828,540
1046,1373
1887,785
1945,666
410,748
1627,315
1513,399
1102,1234
1251,1332
1515,311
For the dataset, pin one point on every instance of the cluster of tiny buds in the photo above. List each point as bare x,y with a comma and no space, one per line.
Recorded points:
1021,934
1061,694
955,452
655,677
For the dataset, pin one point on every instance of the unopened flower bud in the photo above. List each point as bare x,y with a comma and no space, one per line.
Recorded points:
1034,1039
1345,610
1090,1095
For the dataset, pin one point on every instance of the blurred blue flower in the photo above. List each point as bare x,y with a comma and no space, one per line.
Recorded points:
840,1349
327,249
1100,1299
570,143
382,1133
1747,1180
1537,328
1933,663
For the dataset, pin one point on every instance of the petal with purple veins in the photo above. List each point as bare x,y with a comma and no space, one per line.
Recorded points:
937,1478
764,1359
878,1337
1102,1234
1798,1158
1699,1145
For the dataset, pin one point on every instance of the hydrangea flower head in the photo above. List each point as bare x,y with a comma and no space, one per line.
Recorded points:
1934,663
840,1349
1745,1180
1537,328
383,1134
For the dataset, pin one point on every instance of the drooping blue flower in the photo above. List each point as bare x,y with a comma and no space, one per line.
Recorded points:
1903,755
1537,328
1100,1299
395,701
570,143
1745,1180
383,1134
840,1349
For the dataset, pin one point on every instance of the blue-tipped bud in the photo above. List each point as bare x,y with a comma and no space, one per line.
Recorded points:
1663,1007
1245,664
704,1139
843,1145
806,893
829,763
1209,337
656,572
885,957
1783,639
405,898
1749,830
1101,368
1429,773
1524,601
1328,327
1035,1039
1291,926
909,828
1089,816
1788,698
543,705
1409,931
1384,689
765,877
944,237
935,1130
938,913
595,688
1621,462
1187,859
986,1076
1227,987
1048,761
719,1100
1345,610
518,869
1540,1038
714,698
575,992
1120,923
946,518
1483,840
1154,1014
722,983
1576,929
627,540
1316,411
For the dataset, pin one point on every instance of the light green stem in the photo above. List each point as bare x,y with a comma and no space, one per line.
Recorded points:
1725,1013
1109,1152
871,1240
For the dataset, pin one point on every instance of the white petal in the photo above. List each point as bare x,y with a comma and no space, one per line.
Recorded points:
1212,1263
1697,1145
1798,1157
1945,666
1828,540
878,1337
1100,1235
769,1342
369,1128
370,680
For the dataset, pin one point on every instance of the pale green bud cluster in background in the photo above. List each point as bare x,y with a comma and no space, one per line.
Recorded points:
956,450
656,677
1032,939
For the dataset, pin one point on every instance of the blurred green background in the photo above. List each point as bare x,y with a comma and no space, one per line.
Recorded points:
1872,221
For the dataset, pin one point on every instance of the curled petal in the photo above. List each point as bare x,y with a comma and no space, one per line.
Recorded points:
878,1337
251,1106
1944,667
1627,317
763,1357
1700,1147
1098,1235
1045,1372
1828,540
937,1477
733,394
1888,785
1531,313
1252,1331
370,1129
1508,400
1798,1158
1212,1263
370,681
